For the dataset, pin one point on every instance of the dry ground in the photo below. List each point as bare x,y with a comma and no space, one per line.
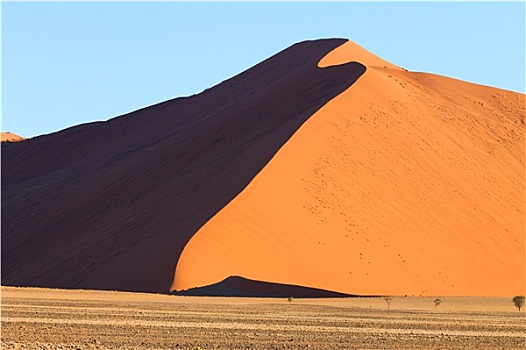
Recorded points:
57,319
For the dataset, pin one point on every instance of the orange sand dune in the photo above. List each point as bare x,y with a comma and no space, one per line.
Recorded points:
9,136
405,183
321,169
111,205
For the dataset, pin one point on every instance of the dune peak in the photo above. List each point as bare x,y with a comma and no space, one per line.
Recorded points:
352,52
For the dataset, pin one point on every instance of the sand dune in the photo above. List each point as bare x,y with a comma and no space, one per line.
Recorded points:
406,183
10,137
111,205
323,167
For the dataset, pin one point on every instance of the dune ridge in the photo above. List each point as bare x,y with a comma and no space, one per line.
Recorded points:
350,51
405,183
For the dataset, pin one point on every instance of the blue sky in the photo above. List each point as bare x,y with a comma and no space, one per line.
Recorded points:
68,63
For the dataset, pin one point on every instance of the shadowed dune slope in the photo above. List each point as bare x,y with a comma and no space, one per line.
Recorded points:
236,286
111,205
406,183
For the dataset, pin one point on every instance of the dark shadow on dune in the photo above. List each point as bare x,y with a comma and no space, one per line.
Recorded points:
235,286
111,205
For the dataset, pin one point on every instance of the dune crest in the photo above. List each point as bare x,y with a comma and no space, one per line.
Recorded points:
350,52
406,183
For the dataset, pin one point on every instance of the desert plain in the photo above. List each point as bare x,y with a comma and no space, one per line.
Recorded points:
37,318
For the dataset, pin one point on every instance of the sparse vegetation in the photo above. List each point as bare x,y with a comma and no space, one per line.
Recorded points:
237,323
388,300
437,302
518,301
290,299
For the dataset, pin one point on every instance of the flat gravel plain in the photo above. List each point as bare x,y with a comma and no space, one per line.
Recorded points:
34,318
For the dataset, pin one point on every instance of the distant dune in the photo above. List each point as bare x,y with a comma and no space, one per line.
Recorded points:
324,167
10,137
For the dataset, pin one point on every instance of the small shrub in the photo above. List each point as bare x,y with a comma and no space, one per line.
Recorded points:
518,301
388,300
290,299
437,302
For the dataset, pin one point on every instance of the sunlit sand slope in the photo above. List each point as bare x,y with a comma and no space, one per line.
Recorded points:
406,183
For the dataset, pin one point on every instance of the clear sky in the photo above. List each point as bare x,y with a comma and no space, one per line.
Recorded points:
68,63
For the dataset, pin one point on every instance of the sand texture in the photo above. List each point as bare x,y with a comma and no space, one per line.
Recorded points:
56,319
324,167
